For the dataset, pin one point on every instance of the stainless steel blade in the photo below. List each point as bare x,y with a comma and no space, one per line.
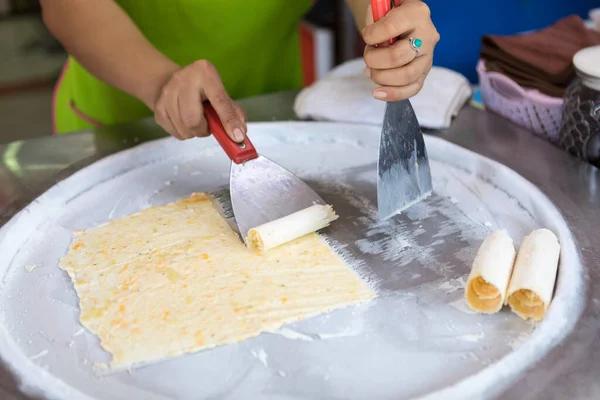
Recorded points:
403,174
262,191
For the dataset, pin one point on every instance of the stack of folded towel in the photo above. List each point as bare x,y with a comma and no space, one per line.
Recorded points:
540,60
346,95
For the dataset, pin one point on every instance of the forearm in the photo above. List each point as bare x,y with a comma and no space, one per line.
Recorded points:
359,10
102,37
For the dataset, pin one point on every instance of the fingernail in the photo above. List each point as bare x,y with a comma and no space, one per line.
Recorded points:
238,134
380,94
367,71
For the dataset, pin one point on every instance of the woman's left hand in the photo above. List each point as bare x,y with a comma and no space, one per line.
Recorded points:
400,69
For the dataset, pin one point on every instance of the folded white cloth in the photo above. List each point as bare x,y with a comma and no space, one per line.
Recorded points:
345,94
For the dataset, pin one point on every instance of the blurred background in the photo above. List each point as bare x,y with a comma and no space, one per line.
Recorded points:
30,58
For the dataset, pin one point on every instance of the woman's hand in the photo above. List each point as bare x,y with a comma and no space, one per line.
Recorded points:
399,68
178,107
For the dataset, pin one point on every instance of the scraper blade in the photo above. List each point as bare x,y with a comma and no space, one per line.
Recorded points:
403,174
261,191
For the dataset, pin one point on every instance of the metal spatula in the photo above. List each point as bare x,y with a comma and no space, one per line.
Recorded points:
403,174
261,191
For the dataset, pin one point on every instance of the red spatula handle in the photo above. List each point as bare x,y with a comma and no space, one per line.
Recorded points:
237,152
380,8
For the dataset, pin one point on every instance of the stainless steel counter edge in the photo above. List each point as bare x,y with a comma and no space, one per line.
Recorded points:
28,168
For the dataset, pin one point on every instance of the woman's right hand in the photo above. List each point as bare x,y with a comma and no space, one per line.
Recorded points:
178,106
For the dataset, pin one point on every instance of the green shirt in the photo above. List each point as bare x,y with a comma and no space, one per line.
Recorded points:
254,45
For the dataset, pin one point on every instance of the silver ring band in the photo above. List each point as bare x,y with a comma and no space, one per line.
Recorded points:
415,44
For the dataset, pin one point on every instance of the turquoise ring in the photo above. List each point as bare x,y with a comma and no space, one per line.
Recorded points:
415,44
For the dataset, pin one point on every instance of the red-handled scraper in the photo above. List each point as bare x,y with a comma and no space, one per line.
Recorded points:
261,191
403,174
